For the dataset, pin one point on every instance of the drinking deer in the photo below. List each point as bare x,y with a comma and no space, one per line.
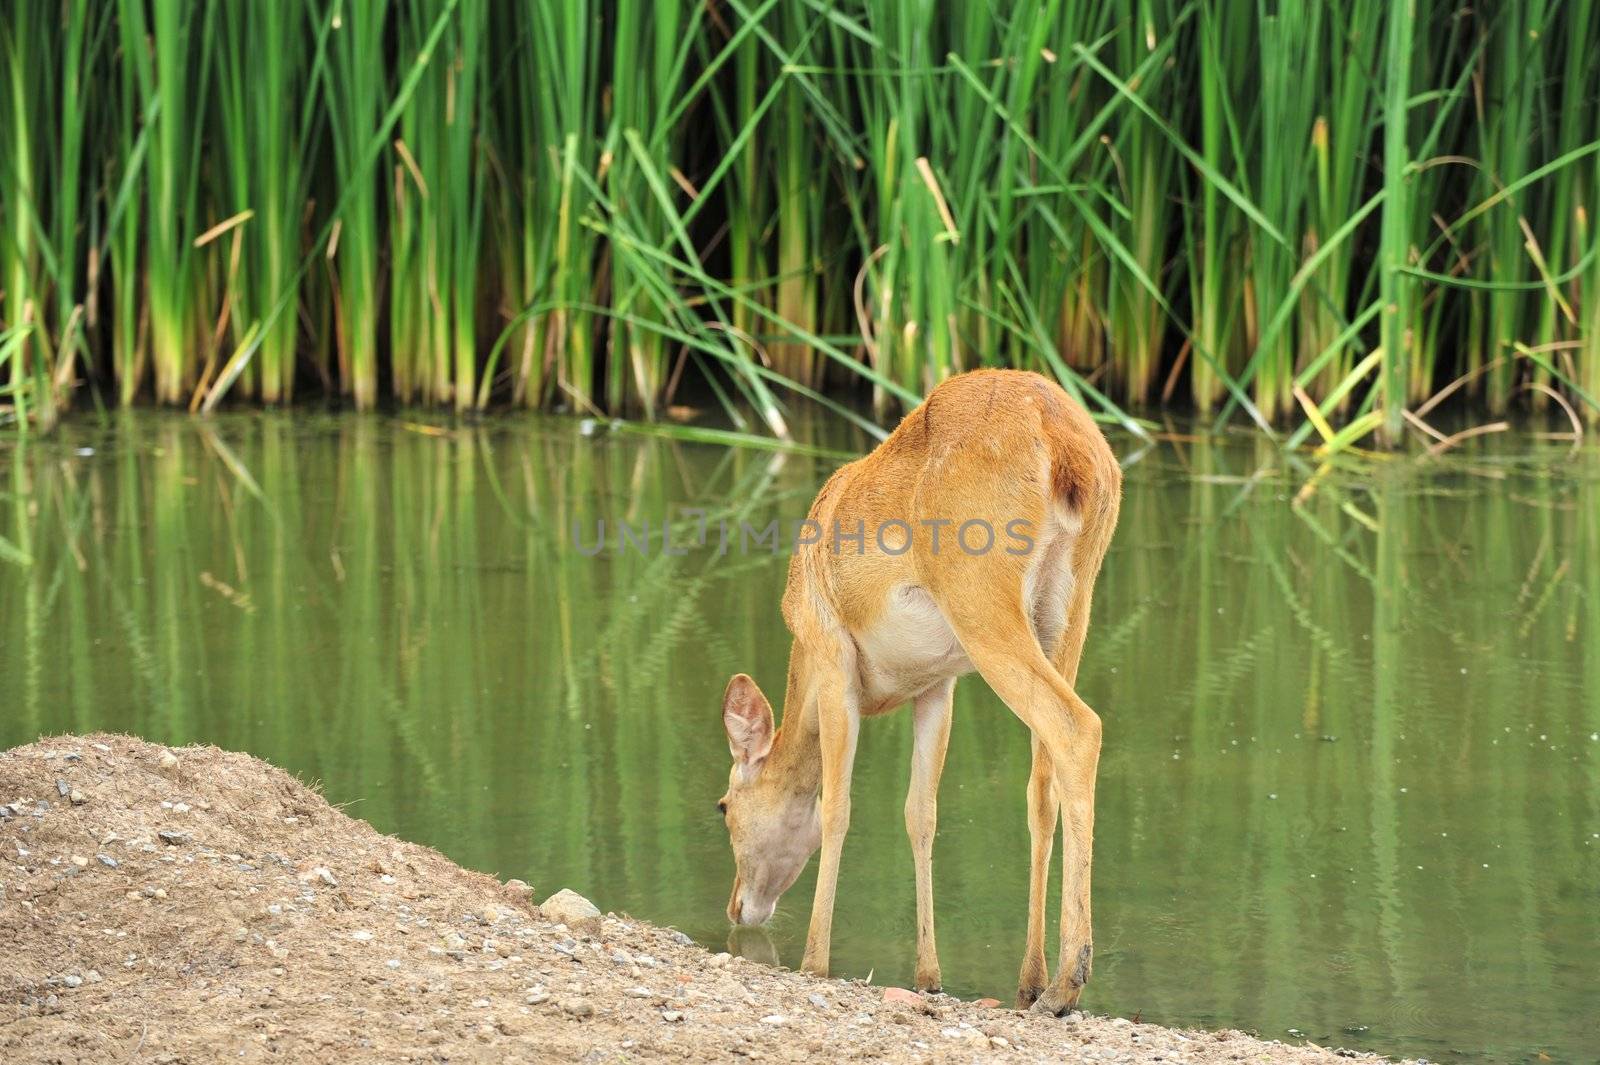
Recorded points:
882,618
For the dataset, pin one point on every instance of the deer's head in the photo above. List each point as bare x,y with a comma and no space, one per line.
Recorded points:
774,826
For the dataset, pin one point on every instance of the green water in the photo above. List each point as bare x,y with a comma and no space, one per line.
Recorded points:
1351,781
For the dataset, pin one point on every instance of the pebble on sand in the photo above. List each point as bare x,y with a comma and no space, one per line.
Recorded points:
319,875
970,1035
570,908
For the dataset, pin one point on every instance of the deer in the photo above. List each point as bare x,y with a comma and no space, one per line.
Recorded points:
897,608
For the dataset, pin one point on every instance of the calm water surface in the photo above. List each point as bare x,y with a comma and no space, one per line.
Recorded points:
1351,781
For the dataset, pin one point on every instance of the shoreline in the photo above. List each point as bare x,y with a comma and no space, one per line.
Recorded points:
189,904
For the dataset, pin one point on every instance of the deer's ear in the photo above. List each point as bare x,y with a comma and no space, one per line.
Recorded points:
747,717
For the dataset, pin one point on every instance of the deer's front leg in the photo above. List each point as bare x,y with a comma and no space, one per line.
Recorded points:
838,724
930,738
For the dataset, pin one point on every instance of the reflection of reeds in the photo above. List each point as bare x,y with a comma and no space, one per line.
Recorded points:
427,644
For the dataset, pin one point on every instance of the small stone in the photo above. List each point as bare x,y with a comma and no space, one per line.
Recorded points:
92,976
393,963
77,798
72,980
621,957
168,760
536,996
720,960
571,909
987,1003
969,1035
1121,1022
999,1042
518,885
646,960
902,996
818,1001
180,807
577,1007
63,789
319,875
775,1019
480,1003
361,937
80,861
671,1016
639,992
172,838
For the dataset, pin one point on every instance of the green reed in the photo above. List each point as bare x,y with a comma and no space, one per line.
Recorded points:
262,67
1289,211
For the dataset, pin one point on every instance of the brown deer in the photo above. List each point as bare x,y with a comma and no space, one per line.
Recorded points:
891,599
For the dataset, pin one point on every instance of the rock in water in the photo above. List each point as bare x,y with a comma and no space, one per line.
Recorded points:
570,908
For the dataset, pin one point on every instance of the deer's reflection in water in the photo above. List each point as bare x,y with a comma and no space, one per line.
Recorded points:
753,943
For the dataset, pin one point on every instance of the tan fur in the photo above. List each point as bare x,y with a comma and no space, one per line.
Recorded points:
874,629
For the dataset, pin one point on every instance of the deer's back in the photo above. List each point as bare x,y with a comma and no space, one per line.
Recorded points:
990,445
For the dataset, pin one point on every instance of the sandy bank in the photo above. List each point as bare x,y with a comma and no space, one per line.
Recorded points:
200,905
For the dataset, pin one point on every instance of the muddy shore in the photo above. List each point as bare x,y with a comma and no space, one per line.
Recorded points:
193,904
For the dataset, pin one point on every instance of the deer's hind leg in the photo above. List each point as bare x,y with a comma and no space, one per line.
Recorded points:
1041,832
986,602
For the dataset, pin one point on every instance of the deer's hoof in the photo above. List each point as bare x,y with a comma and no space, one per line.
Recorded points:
1028,995
929,982
1057,1002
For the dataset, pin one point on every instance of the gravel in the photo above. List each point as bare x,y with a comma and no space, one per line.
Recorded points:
279,929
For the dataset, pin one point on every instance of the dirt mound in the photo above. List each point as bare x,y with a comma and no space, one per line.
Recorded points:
196,905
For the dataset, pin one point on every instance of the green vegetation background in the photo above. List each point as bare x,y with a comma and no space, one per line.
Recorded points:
1308,215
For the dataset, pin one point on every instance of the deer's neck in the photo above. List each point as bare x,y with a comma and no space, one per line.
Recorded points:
796,756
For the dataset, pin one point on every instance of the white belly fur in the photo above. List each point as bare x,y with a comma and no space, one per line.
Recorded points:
911,646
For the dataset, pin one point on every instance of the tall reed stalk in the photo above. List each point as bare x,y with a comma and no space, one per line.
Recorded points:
264,60
354,87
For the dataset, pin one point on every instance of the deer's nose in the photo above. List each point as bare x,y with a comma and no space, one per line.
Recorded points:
744,912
